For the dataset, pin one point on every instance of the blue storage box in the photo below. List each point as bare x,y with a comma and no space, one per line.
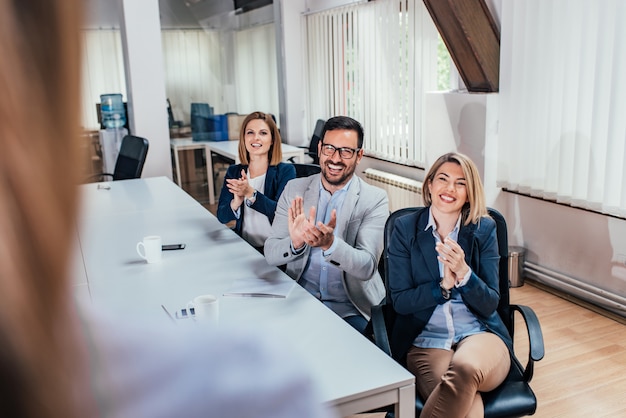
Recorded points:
205,126
218,128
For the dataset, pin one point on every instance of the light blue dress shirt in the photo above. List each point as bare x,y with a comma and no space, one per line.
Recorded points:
321,278
452,321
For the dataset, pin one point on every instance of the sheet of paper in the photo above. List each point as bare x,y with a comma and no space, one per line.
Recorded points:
261,287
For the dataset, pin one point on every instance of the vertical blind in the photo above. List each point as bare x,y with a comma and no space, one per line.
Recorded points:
194,62
562,94
374,62
256,74
102,71
193,73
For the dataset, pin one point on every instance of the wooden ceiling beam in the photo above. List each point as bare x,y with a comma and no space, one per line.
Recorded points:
472,38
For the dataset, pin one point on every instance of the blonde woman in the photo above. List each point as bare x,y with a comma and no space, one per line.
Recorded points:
443,279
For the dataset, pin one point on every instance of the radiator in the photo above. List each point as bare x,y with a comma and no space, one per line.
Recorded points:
403,192
612,302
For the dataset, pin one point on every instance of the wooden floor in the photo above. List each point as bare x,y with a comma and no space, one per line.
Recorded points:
583,373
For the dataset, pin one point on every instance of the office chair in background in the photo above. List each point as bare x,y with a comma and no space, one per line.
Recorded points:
305,170
315,139
173,123
130,160
514,397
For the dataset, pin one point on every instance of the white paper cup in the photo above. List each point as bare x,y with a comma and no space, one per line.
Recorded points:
206,307
150,249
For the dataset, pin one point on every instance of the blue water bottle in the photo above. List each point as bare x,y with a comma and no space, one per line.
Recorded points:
112,111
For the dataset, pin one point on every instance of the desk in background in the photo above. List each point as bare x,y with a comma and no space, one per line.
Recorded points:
353,374
228,149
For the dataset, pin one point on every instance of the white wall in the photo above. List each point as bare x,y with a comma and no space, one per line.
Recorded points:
145,82
290,54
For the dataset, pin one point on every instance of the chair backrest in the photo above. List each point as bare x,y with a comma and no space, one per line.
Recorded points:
315,139
305,170
170,116
131,159
503,249
389,224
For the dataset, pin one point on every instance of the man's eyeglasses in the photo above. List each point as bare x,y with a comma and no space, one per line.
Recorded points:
344,152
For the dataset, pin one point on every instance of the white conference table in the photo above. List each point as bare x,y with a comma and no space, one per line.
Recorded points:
228,149
353,374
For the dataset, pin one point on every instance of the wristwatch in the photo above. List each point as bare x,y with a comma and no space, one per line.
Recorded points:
250,201
444,292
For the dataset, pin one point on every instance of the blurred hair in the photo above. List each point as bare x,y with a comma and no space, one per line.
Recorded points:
39,73
347,123
476,206
275,153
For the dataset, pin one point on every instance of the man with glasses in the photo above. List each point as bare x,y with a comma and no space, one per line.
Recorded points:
328,228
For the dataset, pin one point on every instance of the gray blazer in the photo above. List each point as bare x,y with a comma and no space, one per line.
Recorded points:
359,231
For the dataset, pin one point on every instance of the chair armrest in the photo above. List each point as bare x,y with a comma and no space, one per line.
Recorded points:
379,328
98,176
307,153
535,337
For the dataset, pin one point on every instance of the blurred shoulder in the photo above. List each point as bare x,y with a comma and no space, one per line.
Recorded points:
229,371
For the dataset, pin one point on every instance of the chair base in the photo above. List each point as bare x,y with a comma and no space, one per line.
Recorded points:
513,398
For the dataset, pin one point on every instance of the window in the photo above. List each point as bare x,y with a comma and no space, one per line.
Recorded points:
200,66
562,126
373,62
443,66
255,70
102,71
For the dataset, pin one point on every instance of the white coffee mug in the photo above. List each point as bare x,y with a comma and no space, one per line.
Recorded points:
150,249
206,308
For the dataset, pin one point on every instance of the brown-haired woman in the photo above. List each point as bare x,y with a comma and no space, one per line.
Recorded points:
251,189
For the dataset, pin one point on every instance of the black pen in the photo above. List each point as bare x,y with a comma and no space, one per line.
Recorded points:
168,247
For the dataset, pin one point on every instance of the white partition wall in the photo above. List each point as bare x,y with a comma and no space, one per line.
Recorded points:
145,82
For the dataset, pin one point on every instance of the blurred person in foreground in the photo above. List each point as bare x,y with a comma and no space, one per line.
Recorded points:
59,361
251,188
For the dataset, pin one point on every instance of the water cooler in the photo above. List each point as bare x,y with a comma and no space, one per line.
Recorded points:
113,119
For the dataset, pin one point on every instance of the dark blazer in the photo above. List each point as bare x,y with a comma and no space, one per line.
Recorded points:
414,277
276,178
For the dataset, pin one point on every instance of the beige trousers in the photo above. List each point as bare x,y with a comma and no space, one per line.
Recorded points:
451,380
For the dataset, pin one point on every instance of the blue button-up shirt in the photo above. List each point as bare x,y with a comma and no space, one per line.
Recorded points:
452,321
321,278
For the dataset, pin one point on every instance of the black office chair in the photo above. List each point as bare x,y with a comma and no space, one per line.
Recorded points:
130,160
173,123
305,170
514,397
315,139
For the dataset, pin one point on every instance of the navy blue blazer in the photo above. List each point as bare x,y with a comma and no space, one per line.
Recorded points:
276,178
414,278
